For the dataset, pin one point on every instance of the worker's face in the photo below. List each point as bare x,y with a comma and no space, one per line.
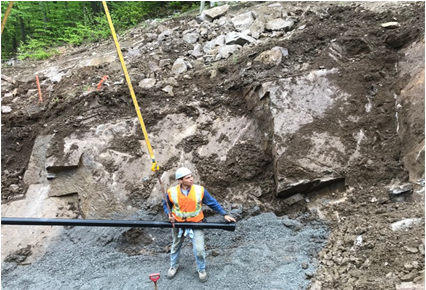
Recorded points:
187,181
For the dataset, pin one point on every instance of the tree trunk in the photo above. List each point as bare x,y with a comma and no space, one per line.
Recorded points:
96,7
14,45
23,34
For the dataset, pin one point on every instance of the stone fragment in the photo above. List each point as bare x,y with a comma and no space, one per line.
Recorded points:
293,199
422,249
406,188
408,266
243,21
411,250
51,175
147,83
408,277
8,79
279,24
14,188
405,224
272,57
408,286
193,23
134,52
257,28
191,38
227,50
215,12
165,62
153,66
6,109
165,35
31,92
179,66
196,52
172,81
151,36
275,6
209,46
390,25
238,38
169,89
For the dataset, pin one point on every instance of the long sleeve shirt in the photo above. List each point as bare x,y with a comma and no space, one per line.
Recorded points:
208,200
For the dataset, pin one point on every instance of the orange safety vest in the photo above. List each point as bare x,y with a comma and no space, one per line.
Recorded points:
187,208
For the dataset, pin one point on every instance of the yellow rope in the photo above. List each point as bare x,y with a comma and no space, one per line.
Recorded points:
129,83
3,23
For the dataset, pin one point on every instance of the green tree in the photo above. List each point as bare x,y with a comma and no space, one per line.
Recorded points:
34,28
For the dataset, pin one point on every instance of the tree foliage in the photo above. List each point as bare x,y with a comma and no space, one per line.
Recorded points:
34,28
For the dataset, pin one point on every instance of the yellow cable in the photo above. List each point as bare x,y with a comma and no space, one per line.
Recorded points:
129,83
3,23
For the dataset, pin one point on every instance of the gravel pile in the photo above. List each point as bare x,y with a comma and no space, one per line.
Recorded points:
265,252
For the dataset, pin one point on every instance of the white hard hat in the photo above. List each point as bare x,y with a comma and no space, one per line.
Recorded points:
182,172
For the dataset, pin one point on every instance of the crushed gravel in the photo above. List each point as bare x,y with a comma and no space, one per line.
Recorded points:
264,252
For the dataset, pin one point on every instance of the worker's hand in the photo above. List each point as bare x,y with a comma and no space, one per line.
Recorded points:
229,218
171,219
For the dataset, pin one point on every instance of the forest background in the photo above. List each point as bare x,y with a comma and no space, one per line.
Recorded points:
35,29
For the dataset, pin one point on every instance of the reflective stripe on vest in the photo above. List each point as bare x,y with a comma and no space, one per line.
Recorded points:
198,198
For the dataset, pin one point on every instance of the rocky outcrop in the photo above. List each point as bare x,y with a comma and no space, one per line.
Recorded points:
409,108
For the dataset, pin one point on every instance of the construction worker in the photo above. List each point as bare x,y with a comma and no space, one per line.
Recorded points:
185,203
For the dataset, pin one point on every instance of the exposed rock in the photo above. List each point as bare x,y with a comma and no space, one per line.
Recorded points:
165,63
405,224
401,192
179,66
293,199
243,21
257,28
238,38
153,66
216,12
165,35
168,89
272,57
147,83
226,50
191,37
279,24
6,109
8,79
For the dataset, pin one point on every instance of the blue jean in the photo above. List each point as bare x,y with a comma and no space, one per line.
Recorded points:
197,246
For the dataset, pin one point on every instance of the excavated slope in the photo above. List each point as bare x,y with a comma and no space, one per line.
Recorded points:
304,119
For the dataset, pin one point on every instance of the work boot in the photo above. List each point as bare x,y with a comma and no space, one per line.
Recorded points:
172,272
202,275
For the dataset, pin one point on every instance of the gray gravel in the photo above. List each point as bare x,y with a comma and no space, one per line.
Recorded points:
265,252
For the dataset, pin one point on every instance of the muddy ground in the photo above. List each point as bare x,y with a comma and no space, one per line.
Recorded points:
362,250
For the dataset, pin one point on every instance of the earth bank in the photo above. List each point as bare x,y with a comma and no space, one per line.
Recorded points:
311,111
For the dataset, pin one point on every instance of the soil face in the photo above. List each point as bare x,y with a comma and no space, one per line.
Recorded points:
375,74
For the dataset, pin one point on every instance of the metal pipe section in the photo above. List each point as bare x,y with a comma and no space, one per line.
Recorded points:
113,223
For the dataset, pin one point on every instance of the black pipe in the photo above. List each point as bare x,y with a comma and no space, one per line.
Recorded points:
113,223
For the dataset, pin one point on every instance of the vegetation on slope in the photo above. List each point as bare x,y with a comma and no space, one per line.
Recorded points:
34,28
